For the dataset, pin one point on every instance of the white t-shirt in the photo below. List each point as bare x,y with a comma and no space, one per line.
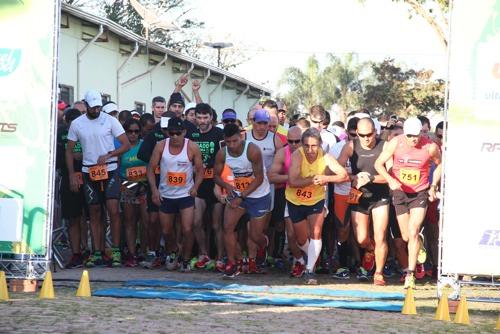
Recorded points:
345,187
97,138
328,140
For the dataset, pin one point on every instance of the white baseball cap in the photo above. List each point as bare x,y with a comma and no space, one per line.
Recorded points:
110,107
93,98
412,126
190,105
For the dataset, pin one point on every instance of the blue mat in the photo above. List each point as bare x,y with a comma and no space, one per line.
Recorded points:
207,296
268,289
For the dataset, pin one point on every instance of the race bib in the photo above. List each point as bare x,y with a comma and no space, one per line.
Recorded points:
79,176
305,193
241,183
136,173
208,173
176,179
354,196
98,173
409,176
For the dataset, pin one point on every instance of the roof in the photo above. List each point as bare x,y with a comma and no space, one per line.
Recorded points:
127,34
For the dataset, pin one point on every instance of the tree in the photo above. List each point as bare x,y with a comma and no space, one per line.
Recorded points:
403,92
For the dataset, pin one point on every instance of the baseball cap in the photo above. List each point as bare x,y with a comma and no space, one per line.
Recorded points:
61,105
190,105
175,123
261,115
229,114
412,126
93,98
109,107
136,115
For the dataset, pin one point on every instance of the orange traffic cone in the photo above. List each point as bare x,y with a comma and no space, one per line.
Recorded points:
409,307
47,291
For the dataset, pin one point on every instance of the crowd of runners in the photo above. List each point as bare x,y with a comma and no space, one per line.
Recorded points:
188,188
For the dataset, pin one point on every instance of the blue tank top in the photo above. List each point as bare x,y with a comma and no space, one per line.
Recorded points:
129,159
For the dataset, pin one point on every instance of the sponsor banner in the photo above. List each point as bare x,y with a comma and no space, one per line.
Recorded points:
27,117
471,227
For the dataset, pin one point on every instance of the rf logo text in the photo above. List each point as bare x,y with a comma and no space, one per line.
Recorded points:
8,127
490,147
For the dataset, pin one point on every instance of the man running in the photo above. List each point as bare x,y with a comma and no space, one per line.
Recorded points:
176,157
279,175
208,139
101,180
369,195
306,194
409,181
250,194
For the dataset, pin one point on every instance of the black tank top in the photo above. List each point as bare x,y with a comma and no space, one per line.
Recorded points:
364,160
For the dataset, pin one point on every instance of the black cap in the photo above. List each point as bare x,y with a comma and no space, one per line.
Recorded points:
176,98
175,123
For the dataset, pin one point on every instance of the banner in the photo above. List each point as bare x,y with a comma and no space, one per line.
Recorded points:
471,222
28,49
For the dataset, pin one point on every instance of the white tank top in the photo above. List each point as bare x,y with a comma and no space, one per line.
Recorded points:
243,173
266,146
176,172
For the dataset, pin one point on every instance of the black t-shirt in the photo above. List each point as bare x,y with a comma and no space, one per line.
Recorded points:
62,143
209,144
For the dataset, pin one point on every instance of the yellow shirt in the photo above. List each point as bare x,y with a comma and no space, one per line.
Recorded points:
311,194
281,129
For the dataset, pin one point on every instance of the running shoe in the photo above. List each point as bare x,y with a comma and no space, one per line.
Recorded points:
95,260
422,252
185,266
219,266
172,262
310,278
131,262
76,261
148,260
116,258
279,264
231,270
388,271
342,274
262,253
362,274
252,267
378,279
210,266
419,271
368,262
409,281
298,270
202,261
193,262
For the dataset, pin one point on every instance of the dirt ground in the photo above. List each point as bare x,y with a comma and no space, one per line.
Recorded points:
25,313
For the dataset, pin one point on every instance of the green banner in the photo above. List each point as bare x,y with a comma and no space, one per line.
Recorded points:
28,49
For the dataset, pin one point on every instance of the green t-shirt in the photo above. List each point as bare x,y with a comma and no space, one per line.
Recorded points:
129,159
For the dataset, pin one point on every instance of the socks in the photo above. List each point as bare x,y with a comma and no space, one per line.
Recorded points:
313,253
305,247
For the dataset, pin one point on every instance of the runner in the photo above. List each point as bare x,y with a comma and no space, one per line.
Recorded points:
317,115
158,107
306,194
409,181
369,195
208,139
101,181
250,194
133,197
176,157
279,175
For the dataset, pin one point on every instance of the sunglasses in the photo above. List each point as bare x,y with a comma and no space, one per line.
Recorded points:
439,136
174,133
292,142
353,134
316,122
226,121
133,131
365,135
412,136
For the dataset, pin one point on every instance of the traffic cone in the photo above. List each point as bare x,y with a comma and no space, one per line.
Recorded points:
462,315
47,291
84,287
409,307
4,293
497,327
443,310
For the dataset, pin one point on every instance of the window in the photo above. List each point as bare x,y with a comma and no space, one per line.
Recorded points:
105,98
66,94
140,107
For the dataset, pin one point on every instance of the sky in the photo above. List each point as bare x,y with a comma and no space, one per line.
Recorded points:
284,33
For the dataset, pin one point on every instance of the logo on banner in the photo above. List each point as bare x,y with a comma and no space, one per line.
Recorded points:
9,60
490,147
8,127
490,238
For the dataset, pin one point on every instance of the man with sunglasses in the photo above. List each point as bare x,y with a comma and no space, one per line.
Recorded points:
181,173
279,175
96,131
409,180
317,115
369,195
250,194
208,139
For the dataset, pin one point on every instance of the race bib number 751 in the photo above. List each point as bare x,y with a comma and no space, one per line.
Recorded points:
409,176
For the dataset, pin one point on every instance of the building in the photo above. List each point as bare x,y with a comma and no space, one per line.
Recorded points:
96,53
